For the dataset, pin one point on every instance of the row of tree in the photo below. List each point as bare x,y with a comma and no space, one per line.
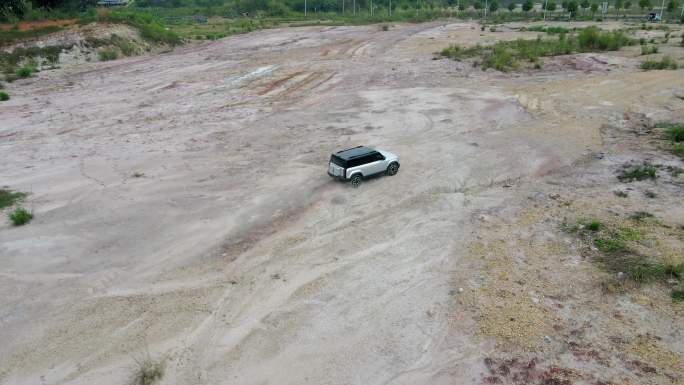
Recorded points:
283,7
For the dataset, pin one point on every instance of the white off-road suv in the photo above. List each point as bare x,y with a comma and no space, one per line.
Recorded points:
360,162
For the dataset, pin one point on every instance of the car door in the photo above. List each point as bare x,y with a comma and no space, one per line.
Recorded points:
376,163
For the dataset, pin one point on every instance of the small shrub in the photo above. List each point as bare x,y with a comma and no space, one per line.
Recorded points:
594,226
621,194
677,294
4,96
647,50
638,172
9,197
25,71
20,216
675,133
678,149
385,27
666,63
675,171
127,48
108,54
610,245
148,371
650,194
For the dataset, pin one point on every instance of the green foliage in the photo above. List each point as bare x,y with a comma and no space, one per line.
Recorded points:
678,149
645,4
4,96
527,5
511,6
650,194
592,39
149,27
648,50
20,216
675,132
594,225
108,54
9,197
504,55
638,172
666,63
621,194
25,71
494,6
594,8
610,245
677,294
543,28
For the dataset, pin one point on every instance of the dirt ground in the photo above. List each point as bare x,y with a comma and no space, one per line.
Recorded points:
182,209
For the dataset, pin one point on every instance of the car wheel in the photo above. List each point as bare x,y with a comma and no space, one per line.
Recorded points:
355,180
393,168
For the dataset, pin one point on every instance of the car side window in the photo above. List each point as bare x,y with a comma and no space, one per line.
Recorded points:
354,162
378,156
370,158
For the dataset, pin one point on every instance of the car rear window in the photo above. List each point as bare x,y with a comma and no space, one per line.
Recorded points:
338,161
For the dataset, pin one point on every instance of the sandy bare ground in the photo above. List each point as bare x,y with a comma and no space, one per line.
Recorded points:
182,208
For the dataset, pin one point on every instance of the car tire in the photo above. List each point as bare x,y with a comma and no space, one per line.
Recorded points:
393,168
355,180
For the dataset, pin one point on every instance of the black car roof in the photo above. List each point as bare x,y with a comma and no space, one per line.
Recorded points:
355,152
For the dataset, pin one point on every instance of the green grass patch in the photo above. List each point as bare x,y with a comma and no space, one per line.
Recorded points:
108,54
648,50
677,295
666,63
594,226
610,245
543,28
638,172
9,197
675,132
13,35
20,216
621,194
4,96
150,28
678,149
507,55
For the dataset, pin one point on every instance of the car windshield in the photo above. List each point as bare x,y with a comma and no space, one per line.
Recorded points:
338,161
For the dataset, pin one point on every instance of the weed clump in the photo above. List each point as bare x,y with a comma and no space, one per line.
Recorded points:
25,71
592,39
9,197
666,63
638,172
677,294
147,371
648,50
108,54
594,226
675,132
4,96
20,216
505,55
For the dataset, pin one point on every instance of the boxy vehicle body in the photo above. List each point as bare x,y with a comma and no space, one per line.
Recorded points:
360,162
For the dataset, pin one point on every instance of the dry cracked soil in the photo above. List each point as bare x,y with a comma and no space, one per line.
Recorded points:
182,210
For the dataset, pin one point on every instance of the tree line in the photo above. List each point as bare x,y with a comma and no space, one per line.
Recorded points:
17,8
